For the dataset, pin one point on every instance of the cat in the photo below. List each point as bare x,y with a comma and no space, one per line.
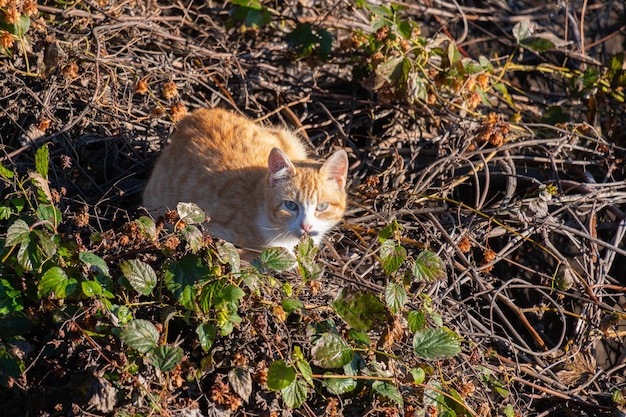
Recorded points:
256,183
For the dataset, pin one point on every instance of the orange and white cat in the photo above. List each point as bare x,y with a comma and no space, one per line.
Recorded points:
255,183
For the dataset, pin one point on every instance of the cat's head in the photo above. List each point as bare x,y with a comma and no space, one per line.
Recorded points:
303,197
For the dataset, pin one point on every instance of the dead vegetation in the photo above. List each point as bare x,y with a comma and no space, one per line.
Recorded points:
501,153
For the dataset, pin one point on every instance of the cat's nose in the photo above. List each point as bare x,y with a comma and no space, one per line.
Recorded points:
306,228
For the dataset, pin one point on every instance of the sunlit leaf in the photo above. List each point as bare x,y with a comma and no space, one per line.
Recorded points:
522,30
166,358
147,226
392,256
49,213
294,394
338,386
140,275
418,374
42,186
416,320
55,281
280,376
93,260
306,371
331,351
190,213
41,160
278,259
194,238
232,293
91,288
290,305
387,389
18,233
207,334
395,297
6,173
436,343
140,335
228,254
45,243
428,266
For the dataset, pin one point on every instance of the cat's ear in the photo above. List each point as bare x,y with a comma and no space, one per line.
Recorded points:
280,167
336,167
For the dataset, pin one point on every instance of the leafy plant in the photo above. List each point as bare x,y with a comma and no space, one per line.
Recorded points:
309,41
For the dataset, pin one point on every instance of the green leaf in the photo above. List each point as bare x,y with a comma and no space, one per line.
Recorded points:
241,382
331,351
306,371
194,238
6,173
207,334
360,337
6,212
45,242
395,297
251,13
361,310
49,213
28,256
166,358
419,375
504,91
416,320
555,115
338,386
190,213
509,411
278,259
232,293
391,231
294,394
290,305
306,253
55,281
22,27
18,233
10,298
436,343
228,254
428,267
538,43
140,335
280,376
391,256
387,389
615,63
140,275
42,160
147,227
91,288
181,278
93,260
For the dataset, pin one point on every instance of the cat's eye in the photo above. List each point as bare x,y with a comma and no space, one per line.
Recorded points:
322,206
291,205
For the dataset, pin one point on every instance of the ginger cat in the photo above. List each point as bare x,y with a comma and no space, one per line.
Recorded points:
255,183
